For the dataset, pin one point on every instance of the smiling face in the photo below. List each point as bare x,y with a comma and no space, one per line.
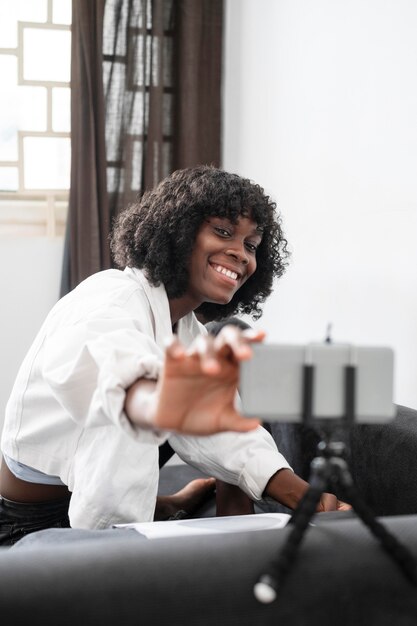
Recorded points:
223,258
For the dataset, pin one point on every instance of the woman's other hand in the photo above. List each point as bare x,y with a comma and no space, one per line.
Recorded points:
329,502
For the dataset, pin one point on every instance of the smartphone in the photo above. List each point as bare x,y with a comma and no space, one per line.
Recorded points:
272,382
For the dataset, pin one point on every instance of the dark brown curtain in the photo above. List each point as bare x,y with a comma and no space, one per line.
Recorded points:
197,75
145,81
86,247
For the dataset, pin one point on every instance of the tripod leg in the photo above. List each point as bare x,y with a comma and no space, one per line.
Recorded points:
389,542
266,588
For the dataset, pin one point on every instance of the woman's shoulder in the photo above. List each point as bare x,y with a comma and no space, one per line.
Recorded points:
102,295
114,283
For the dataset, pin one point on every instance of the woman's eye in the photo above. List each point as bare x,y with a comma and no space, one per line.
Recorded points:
251,247
222,232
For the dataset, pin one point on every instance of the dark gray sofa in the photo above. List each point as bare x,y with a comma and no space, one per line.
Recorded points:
341,575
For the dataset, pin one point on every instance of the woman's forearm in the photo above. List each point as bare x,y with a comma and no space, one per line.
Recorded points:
286,488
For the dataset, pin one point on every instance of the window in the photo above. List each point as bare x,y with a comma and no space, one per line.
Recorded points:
35,150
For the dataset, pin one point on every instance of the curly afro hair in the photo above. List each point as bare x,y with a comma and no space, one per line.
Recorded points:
157,234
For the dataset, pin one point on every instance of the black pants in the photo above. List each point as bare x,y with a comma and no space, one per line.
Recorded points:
18,520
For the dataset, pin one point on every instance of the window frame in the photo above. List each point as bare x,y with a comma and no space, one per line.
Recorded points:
34,211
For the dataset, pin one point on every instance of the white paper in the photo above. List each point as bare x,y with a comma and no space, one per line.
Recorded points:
209,525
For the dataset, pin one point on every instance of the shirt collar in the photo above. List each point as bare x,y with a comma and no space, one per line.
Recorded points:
187,326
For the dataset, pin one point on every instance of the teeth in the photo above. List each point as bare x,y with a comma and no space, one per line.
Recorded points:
226,272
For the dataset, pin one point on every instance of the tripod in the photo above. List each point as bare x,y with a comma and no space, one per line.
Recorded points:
329,470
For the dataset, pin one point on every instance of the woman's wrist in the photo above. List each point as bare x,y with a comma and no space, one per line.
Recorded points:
286,488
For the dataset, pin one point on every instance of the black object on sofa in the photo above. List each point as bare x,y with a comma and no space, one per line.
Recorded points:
382,459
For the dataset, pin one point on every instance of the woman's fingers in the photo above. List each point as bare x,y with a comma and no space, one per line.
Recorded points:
232,340
203,347
174,349
230,343
254,336
328,502
343,506
211,355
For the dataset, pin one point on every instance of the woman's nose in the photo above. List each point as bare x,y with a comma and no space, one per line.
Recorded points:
239,253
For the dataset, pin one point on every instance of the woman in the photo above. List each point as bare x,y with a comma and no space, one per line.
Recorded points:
121,364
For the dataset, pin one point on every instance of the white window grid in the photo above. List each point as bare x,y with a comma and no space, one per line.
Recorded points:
34,211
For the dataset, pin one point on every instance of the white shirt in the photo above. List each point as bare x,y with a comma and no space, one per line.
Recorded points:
65,415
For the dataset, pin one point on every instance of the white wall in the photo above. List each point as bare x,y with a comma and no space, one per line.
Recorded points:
30,270
320,102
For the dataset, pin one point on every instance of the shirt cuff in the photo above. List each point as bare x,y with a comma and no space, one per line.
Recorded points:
258,470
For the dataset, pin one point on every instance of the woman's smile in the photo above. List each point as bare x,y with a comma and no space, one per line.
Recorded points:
226,274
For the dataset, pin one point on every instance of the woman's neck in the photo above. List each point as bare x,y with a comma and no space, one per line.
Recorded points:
180,307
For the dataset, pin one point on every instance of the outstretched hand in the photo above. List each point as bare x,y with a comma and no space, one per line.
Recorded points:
196,391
